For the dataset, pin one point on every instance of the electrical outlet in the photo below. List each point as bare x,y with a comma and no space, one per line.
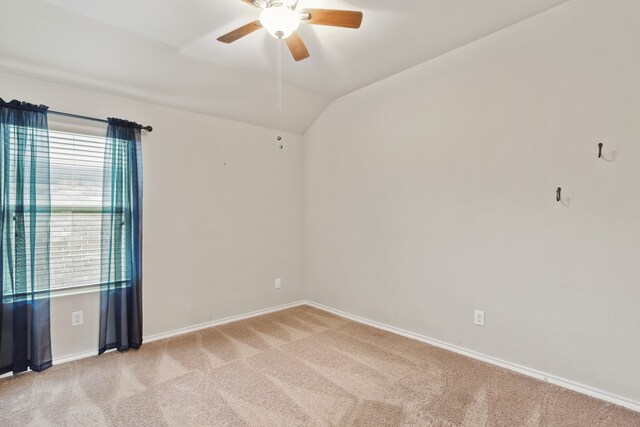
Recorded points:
478,317
77,318
278,283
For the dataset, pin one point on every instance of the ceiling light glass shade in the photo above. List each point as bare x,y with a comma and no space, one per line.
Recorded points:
280,21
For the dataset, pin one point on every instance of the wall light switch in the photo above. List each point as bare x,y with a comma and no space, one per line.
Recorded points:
478,317
278,283
77,318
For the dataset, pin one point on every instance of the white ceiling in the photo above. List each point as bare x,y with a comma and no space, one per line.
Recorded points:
166,51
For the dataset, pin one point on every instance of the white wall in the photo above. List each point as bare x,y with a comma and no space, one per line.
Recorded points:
432,193
215,236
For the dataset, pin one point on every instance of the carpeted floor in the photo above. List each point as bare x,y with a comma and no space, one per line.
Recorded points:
300,366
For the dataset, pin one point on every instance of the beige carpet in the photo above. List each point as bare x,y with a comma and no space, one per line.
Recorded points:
299,366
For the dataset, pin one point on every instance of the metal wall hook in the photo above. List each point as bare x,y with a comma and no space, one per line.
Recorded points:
600,150
558,194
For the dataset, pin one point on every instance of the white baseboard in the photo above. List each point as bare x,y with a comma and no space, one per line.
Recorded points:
186,330
76,356
562,382
218,322
60,361
175,332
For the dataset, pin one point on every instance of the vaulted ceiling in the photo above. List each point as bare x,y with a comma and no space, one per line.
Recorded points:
165,51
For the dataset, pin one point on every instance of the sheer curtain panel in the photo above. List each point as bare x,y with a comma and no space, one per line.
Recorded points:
25,203
121,254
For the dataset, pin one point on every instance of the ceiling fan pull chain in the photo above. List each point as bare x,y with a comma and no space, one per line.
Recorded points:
279,85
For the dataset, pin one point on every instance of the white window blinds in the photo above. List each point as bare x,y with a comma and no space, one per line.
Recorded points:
76,168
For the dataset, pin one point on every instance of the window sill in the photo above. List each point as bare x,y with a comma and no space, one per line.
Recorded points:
72,290
75,290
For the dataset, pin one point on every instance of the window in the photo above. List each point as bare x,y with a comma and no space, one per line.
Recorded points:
76,169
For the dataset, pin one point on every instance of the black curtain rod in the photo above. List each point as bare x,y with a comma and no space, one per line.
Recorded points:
93,119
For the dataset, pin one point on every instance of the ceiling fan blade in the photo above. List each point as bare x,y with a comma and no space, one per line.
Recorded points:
334,18
297,47
254,3
240,32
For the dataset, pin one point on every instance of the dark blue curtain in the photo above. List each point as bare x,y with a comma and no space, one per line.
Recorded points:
25,203
121,263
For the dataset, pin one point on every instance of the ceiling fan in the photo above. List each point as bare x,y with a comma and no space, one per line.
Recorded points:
281,20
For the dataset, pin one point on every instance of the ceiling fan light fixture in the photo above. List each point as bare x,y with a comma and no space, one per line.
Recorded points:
280,21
